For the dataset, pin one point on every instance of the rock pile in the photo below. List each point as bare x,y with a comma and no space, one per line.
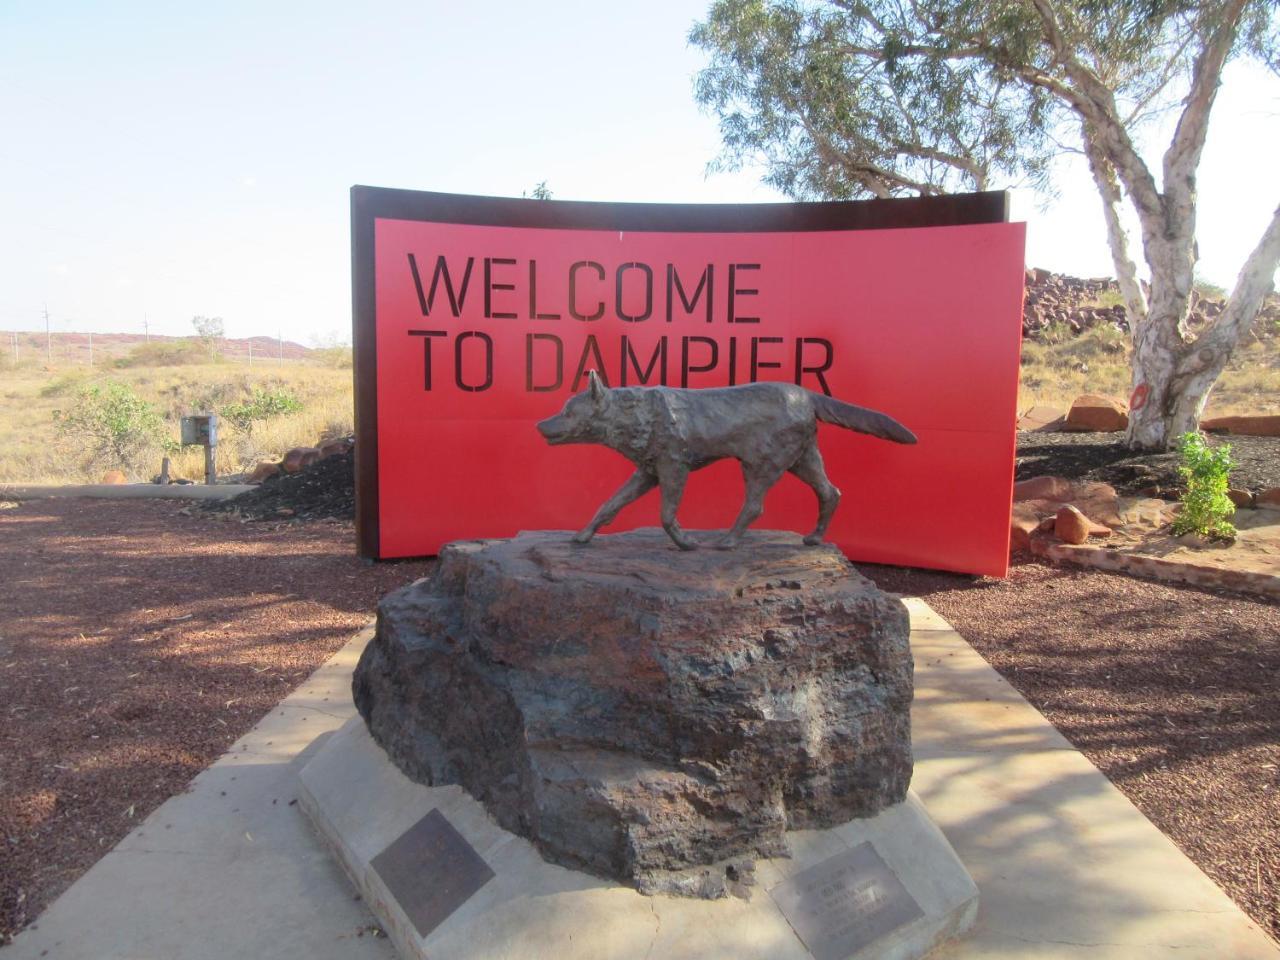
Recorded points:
1072,302
655,717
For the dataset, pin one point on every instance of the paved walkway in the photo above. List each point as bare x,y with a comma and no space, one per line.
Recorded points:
1067,867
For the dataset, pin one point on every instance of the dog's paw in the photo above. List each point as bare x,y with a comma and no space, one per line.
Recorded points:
582,537
813,540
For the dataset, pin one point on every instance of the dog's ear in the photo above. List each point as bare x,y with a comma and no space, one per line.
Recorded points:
596,386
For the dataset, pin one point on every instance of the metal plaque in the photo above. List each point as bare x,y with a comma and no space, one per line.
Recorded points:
431,871
844,903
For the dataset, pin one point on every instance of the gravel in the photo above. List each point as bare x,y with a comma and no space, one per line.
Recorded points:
1104,457
1169,691
136,644
326,490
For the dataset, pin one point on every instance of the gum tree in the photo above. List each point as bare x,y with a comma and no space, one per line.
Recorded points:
854,98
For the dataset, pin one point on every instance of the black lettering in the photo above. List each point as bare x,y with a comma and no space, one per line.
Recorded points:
735,291
590,349
817,371
427,336
428,300
529,340
490,286
659,360
733,361
648,292
573,292
705,282
488,360
685,367
533,295
756,363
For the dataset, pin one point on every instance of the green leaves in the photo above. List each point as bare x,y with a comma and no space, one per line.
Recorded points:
114,423
263,404
1205,505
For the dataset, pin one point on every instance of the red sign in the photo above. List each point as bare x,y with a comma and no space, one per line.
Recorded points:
477,318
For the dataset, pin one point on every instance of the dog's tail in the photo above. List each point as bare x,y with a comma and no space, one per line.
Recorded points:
851,417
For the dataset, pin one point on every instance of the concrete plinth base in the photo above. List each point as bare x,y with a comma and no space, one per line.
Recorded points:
447,882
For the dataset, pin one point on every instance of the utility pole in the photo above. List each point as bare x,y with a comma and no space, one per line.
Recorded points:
250,341
48,336
146,330
91,348
15,349
280,341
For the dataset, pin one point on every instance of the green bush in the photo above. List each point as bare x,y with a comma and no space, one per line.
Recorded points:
114,424
1205,506
263,404
164,353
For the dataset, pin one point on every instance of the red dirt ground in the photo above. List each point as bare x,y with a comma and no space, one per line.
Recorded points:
136,644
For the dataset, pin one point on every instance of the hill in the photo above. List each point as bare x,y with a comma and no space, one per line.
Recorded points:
74,348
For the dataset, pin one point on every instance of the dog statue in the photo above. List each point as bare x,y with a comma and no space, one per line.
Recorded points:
770,428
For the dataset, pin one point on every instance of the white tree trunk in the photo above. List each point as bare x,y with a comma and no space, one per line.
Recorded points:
1177,377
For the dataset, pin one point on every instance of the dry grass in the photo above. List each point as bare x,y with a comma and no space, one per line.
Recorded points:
33,451
1055,373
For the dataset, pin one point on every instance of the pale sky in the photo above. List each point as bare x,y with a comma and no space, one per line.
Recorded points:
163,160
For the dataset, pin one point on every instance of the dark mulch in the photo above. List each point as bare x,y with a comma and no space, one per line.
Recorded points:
1104,457
1170,691
136,644
323,491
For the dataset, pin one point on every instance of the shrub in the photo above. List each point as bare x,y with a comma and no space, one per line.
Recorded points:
115,425
263,404
1205,506
164,353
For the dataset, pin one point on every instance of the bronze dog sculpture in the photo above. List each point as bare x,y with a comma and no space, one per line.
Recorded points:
770,428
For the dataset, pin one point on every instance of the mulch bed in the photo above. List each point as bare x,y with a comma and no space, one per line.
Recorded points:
136,644
1171,692
326,490
1104,457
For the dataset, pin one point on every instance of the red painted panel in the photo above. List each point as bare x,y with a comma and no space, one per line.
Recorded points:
922,324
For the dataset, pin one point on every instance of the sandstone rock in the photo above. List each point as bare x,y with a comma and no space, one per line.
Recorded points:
1261,426
1044,488
1042,418
1268,498
1241,498
114,477
262,471
644,714
299,458
335,448
1072,526
1095,414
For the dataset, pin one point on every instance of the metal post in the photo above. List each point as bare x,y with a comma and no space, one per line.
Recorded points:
210,474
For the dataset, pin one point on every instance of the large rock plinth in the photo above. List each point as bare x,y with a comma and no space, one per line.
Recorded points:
645,714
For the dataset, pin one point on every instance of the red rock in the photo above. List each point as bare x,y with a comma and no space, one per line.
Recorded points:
1043,488
1241,498
262,471
1072,526
1268,498
1042,418
298,458
114,477
335,448
1267,426
1091,413
1024,522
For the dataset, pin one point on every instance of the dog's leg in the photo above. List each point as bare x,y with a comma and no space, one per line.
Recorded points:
758,479
636,486
671,478
809,468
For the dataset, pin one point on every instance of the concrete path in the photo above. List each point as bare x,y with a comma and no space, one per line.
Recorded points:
1067,867
125,491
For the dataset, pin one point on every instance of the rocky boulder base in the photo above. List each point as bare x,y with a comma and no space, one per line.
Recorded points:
647,715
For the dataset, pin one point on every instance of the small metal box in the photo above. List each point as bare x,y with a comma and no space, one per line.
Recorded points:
201,429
